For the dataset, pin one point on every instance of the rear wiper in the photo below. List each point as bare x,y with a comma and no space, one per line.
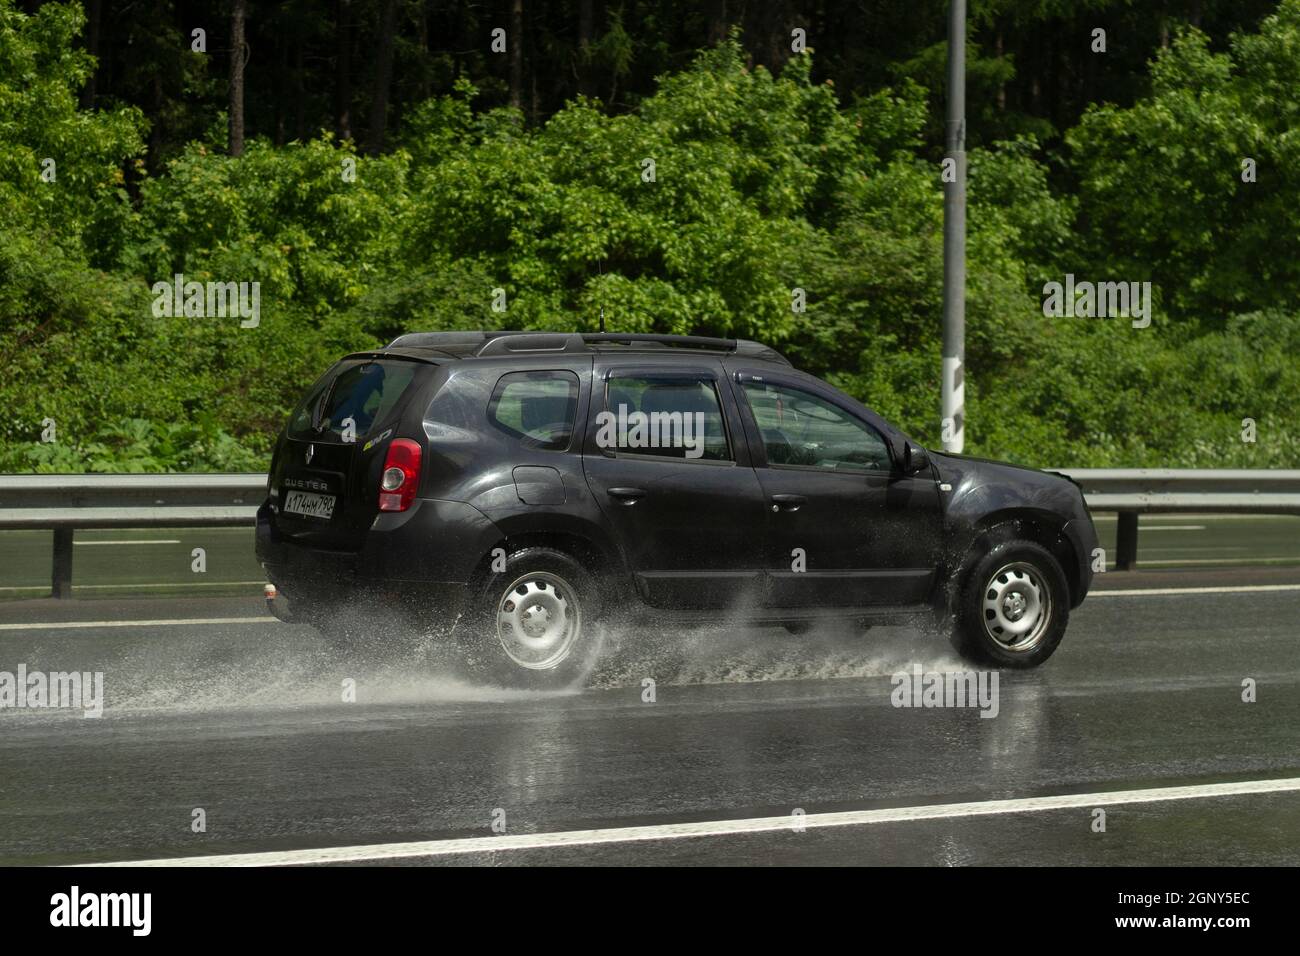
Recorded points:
317,413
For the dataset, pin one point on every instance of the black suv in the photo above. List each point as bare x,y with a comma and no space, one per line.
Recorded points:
523,489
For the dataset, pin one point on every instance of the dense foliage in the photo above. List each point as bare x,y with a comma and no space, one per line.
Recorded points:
765,181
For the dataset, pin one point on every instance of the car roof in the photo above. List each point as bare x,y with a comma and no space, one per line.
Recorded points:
443,346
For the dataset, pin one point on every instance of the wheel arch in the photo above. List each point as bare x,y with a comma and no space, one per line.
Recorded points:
585,544
1045,528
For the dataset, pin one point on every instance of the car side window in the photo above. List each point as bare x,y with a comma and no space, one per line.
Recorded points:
800,429
668,416
538,408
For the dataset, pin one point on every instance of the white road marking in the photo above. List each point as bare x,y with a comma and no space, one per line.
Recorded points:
176,584
60,625
86,544
1171,517
1279,559
713,828
111,587
1174,527
1213,547
1234,589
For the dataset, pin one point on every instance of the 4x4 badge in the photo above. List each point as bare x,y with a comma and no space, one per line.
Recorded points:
375,441
311,450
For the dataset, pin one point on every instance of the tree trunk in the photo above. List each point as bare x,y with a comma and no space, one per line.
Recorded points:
237,60
154,153
426,80
92,47
281,91
516,54
299,93
532,85
383,78
717,21
343,89
999,50
585,28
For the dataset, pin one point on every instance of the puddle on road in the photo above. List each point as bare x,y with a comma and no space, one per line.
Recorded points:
725,655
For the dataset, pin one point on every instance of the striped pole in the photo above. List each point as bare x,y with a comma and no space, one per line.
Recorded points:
953,431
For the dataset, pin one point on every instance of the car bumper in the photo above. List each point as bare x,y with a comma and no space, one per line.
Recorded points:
423,557
1082,536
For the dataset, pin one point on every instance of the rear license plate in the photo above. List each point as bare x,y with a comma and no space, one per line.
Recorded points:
310,505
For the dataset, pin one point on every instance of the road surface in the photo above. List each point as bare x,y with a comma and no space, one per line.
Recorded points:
244,719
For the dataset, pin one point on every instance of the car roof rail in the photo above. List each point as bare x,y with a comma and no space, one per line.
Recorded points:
735,346
438,340
507,343
487,344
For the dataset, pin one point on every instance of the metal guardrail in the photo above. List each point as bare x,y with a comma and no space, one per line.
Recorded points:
1131,492
65,503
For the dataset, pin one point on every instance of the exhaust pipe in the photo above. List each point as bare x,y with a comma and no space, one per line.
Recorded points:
277,604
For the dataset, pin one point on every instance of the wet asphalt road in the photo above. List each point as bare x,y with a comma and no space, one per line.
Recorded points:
245,720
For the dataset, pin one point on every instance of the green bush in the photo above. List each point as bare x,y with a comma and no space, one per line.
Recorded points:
762,186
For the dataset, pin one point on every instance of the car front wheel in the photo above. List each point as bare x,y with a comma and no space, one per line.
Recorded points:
1013,606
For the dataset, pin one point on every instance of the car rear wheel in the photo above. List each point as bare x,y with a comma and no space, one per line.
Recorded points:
537,623
1013,606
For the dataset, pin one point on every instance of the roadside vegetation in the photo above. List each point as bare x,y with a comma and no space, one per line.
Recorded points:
769,186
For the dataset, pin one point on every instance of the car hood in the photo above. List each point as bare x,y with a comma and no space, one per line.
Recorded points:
968,462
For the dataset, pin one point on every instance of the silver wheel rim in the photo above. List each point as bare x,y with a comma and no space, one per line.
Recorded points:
1016,607
538,620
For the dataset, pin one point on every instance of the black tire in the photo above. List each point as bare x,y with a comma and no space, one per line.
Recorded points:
537,624
1012,606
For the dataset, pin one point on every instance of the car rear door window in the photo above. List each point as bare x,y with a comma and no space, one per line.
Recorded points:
801,429
670,416
363,394
538,407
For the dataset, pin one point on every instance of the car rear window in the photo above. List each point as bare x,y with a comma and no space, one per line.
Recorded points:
538,408
364,393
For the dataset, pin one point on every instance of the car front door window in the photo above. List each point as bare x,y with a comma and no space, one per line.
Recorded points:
800,429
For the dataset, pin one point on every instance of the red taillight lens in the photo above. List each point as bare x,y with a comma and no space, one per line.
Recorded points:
401,475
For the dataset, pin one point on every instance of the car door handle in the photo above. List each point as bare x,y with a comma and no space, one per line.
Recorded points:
629,496
787,502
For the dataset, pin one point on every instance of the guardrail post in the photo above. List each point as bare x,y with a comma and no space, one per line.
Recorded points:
1126,544
61,584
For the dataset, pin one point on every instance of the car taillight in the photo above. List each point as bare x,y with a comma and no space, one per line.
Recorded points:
401,476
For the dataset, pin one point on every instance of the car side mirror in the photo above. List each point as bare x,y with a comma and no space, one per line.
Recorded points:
915,458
